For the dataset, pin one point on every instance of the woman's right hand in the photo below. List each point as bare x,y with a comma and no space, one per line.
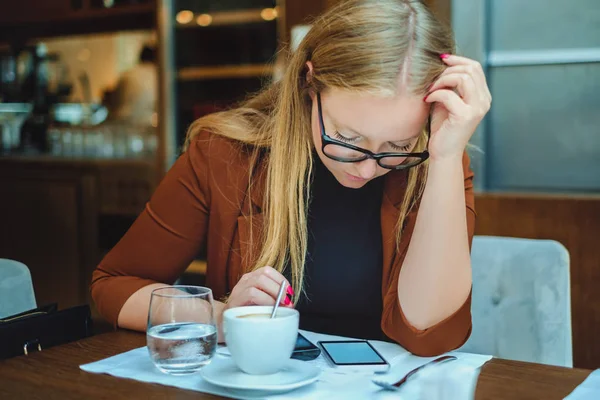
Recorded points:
260,288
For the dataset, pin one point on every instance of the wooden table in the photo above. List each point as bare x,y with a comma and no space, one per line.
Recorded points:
55,374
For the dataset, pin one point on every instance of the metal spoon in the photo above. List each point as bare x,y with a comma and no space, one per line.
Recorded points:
396,386
279,297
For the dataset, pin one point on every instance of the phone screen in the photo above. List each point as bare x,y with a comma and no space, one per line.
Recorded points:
303,344
352,353
305,350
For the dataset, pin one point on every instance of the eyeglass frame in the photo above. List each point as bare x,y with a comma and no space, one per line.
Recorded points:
326,139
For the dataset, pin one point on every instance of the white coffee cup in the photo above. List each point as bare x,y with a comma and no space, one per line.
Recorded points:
260,345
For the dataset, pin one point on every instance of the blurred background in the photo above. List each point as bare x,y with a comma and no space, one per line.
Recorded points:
96,97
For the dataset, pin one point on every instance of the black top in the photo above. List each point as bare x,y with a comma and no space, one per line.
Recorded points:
344,262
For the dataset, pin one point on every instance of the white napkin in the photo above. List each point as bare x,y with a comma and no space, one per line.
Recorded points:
589,389
458,379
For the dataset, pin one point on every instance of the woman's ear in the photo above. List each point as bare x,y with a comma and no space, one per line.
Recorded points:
309,73
309,77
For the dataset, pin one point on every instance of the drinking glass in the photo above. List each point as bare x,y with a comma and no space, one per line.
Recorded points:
182,334
54,141
78,145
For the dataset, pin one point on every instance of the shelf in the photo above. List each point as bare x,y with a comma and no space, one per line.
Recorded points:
236,17
225,71
31,21
51,161
128,11
68,14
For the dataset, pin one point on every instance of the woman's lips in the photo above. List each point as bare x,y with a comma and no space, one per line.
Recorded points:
355,178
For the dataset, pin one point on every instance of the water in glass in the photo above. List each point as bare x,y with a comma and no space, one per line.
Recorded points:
182,335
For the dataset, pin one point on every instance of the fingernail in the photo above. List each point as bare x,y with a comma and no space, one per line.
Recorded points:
287,301
425,98
444,56
290,291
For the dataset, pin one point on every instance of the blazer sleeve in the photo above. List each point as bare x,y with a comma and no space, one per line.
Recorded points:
163,240
448,334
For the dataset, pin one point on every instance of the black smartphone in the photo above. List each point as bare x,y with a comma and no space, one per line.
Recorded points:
305,350
352,353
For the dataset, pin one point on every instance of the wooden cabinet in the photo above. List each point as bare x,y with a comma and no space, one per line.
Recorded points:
36,11
30,11
48,222
49,217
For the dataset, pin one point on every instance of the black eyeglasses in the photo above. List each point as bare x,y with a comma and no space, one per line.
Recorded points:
345,152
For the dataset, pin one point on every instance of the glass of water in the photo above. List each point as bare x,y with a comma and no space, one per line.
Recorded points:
182,334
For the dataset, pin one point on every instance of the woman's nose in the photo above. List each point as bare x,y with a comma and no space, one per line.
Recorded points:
367,169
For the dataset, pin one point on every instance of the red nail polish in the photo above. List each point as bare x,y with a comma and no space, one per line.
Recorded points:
444,56
425,98
287,301
290,291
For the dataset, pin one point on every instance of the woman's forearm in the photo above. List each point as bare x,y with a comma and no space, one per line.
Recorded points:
134,314
435,279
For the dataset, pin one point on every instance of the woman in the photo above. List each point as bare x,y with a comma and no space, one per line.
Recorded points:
341,179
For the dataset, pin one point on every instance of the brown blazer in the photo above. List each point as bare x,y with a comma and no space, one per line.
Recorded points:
202,205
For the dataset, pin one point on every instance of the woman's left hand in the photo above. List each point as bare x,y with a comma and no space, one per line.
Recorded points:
462,99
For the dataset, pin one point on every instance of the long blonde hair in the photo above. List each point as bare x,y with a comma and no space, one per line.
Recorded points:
369,46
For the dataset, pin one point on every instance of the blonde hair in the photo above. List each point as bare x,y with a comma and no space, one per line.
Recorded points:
377,47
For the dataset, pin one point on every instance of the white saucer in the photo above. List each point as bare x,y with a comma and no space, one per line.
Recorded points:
223,372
